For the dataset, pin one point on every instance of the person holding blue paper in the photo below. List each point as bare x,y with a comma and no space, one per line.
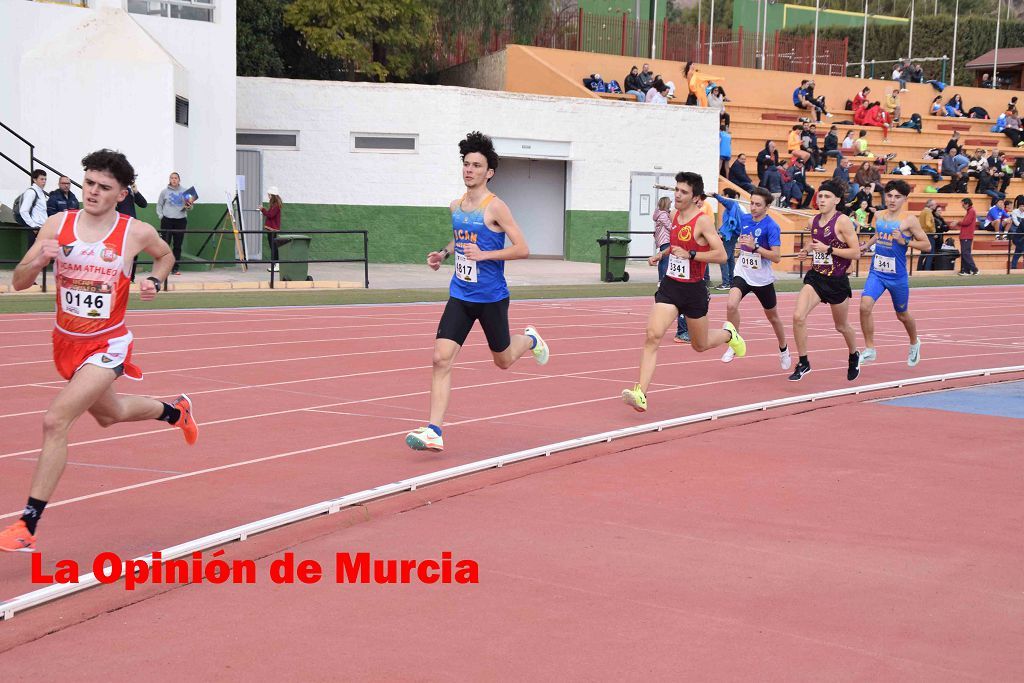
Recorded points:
172,208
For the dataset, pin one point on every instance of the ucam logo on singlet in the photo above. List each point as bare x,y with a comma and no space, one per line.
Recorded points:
465,235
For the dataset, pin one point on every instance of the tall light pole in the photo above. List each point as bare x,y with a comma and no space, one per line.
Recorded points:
757,25
711,31
654,26
910,48
764,35
956,22
864,40
814,56
995,57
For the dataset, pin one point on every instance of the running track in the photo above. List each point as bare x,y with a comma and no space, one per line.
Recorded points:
303,404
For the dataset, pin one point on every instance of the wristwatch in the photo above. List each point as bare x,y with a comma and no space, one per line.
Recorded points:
829,251
693,255
155,281
445,254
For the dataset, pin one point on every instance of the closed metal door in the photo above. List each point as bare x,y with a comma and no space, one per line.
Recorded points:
249,163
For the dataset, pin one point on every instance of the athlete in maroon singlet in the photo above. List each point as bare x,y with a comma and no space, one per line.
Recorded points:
833,245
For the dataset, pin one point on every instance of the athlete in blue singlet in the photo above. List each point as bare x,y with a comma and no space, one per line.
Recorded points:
478,291
893,235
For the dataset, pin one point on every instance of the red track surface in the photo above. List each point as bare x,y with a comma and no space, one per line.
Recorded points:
751,551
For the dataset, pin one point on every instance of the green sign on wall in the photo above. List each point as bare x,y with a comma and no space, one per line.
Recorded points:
782,16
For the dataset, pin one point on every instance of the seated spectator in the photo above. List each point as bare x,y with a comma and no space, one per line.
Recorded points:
986,81
796,173
803,98
955,107
898,75
937,108
657,93
738,173
717,100
632,85
842,176
987,184
954,141
645,79
795,143
860,99
848,141
832,145
874,115
862,216
668,84
869,180
914,73
62,198
998,220
978,164
892,106
769,156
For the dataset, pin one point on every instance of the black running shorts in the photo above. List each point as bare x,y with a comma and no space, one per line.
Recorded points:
459,316
830,289
764,293
690,298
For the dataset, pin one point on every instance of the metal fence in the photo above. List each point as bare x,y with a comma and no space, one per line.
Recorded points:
621,35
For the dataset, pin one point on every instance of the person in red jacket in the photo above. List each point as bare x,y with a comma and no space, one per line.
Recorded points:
272,223
860,99
874,115
967,226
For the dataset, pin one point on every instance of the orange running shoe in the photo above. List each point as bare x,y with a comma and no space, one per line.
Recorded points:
187,423
17,539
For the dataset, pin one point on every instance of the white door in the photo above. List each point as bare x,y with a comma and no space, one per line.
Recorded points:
534,190
643,200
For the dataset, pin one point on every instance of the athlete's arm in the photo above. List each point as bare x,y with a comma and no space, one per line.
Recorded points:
498,215
39,256
148,240
773,254
919,239
436,258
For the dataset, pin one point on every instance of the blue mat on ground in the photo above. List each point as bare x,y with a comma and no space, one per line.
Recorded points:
1001,400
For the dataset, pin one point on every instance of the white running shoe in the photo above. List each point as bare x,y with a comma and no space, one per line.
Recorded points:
868,355
914,357
728,356
785,359
540,351
424,439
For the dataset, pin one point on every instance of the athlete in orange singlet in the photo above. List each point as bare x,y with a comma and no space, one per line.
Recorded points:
94,249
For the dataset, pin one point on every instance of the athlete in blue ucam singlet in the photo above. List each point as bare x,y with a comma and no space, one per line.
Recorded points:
893,235
480,224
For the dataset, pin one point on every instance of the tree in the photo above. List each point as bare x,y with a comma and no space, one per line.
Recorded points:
375,39
258,32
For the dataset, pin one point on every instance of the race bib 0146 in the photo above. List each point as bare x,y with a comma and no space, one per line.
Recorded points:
83,304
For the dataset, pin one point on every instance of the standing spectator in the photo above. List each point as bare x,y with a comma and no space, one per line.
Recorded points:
717,100
738,173
955,107
33,205
832,146
632,85
732,218
662,233
769,156
172,208
63,199
127,206
927,220
724,150
966,226
1017,231
272,223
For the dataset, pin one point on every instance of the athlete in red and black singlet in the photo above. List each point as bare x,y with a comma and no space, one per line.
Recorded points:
683,285
829,265
682,236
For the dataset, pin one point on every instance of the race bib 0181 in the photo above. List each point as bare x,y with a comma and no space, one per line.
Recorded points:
751,260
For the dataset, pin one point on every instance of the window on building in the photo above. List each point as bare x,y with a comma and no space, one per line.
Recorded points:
181,111
384,142
197,10
267,139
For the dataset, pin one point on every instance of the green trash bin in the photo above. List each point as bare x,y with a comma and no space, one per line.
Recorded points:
294,248
614,269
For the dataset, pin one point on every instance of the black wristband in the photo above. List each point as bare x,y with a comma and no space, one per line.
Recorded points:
693,255
445,254
156,282
829,251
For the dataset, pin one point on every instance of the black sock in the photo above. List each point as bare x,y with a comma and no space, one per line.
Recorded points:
804,361
783,349
853,357
33,511
170,414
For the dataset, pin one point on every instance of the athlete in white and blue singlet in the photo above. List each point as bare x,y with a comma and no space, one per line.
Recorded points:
893,235
478,291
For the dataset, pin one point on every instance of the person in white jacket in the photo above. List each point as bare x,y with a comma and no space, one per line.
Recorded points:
33,205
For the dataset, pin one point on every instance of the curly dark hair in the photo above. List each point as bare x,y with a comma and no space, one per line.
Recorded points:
114,163
693,180
481,144
901,186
